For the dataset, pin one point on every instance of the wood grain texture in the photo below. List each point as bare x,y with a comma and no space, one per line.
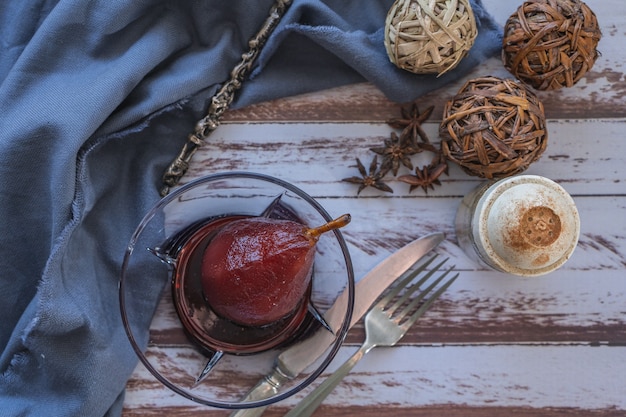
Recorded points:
554,380
494,344
362,411
583,155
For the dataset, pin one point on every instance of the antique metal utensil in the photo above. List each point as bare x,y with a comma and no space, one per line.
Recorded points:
297,358
385,324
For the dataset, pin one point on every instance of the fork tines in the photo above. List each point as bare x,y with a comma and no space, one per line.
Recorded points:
417,297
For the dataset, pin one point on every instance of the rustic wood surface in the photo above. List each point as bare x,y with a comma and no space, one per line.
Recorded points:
494,344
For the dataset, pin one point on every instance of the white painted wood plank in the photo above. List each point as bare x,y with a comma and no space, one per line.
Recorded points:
511,376
497,376
585,156
602,244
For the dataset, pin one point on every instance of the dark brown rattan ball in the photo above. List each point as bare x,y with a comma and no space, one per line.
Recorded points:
550,44
493,128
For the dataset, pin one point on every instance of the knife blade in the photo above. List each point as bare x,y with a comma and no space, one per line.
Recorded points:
291,362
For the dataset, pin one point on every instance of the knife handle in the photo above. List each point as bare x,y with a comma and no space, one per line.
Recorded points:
268,386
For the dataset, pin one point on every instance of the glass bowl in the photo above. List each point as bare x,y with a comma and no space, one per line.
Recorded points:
176,334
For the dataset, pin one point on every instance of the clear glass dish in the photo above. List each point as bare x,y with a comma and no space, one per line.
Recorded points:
173,330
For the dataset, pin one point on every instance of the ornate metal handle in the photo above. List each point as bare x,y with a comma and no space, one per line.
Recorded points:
222,99
268,386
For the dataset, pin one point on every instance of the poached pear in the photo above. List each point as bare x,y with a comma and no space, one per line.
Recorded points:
257,270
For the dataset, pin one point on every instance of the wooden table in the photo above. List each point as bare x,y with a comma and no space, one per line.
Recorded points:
494,344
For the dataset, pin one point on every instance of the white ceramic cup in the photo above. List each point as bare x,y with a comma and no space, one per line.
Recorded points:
524,225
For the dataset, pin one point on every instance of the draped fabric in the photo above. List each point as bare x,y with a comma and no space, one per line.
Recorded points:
96,98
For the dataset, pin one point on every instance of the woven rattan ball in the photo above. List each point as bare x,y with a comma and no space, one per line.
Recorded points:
429,36
550,44
493,128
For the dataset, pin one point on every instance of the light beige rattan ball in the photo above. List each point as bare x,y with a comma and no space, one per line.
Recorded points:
550,44
493,128
429,36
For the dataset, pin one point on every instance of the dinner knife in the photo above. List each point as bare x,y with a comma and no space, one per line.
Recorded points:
298,357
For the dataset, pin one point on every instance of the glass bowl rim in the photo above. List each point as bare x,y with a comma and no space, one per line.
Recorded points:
340,336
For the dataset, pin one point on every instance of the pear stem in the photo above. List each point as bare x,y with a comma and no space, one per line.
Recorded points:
315,232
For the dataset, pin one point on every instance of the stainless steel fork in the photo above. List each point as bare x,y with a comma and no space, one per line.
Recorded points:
385,324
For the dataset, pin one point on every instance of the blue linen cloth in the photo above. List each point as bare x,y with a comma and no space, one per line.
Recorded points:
96,98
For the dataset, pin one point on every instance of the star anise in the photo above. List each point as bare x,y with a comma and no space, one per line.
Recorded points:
373,178
397,151
411,125
427,176
394,153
